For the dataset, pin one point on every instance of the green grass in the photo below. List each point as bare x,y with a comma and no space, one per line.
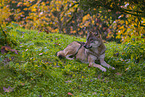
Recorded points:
37,72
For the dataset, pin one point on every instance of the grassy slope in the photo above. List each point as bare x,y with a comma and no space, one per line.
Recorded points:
36,71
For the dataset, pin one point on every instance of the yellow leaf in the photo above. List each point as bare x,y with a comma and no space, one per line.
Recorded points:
34,9
25,9
93,22
34,24
53,9
82,76
19,3
86,17
58,9
122,27
13,1
76,5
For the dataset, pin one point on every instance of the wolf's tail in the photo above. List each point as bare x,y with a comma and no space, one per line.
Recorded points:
60,54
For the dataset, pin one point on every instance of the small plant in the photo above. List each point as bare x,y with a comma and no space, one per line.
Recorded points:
135,50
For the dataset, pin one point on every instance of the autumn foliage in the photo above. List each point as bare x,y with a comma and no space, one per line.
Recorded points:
68,16
32,31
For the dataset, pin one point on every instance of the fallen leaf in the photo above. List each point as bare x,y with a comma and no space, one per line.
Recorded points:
56,43
9,89
70,93
40,96
5,49
94,93
40,53
68,81
22,84
116,54
118,73
127,68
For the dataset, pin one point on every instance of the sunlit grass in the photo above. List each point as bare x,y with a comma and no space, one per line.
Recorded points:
36,71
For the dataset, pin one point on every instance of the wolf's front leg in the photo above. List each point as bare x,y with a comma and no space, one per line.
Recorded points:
98,66
105,64
91,60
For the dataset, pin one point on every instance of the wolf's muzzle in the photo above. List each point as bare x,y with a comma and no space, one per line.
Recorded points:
87,47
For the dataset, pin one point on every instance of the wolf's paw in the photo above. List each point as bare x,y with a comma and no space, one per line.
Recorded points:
113,68
103,69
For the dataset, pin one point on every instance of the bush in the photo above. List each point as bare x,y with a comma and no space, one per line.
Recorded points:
135,50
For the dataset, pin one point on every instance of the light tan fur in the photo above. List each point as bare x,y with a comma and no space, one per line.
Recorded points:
93,49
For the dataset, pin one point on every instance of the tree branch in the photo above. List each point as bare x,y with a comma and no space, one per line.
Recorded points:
66,23
4,34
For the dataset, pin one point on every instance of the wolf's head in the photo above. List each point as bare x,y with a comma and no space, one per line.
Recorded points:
93,40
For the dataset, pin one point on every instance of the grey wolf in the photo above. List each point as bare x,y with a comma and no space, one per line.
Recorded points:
90,51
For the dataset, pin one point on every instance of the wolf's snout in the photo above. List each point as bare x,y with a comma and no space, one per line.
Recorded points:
87,46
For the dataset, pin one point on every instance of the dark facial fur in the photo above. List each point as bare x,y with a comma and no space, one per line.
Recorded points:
91,38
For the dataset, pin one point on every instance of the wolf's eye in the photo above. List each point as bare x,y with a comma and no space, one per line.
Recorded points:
91,40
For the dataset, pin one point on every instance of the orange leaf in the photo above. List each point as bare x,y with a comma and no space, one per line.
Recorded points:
19,4
14,2
34,9
70,93
5,49
25,9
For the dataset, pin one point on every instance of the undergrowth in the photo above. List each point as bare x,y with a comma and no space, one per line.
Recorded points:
36,71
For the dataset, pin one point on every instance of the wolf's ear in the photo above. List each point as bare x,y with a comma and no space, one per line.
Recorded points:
89,34
95,33
99,36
